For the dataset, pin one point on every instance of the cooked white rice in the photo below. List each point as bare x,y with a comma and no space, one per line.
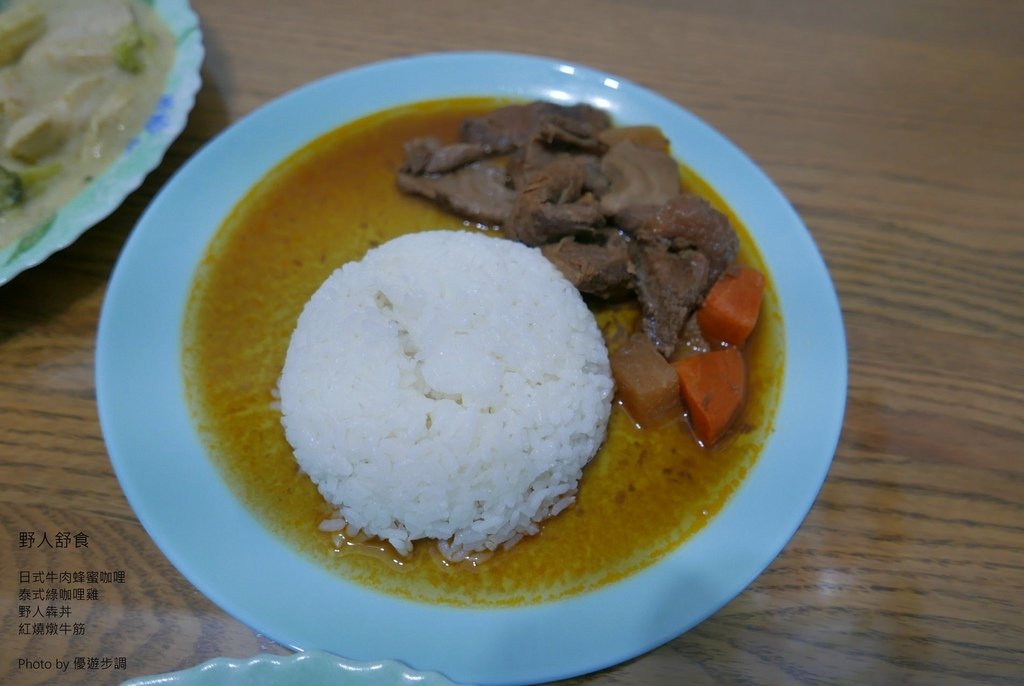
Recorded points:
450,385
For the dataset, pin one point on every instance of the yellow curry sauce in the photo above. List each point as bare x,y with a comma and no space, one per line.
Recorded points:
642,495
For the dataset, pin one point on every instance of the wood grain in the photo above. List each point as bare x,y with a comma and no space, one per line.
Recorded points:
896,130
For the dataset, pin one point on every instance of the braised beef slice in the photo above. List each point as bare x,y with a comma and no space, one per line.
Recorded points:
526,161
594,180
560,181
637,175
510,127
689,221
552,205
559,137
477,192
534,156
429,156
535,223
670,286
418,152
632,218
573,134
601,269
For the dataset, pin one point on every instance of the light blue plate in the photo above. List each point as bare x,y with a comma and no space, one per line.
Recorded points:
208,534
108,190
314,668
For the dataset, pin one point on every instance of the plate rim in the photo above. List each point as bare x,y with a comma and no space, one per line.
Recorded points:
290,669
520,625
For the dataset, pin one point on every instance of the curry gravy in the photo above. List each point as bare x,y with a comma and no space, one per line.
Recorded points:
642,495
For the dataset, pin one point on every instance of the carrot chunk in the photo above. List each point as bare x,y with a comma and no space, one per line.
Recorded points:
713,386
646,383
731,308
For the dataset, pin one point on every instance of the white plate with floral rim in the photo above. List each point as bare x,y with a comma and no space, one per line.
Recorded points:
106,191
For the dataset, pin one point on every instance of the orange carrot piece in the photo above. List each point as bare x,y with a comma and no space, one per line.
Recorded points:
730,310
646,383
713,386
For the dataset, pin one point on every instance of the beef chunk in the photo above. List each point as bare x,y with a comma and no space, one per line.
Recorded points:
527,161
605,205
418,152
670,286
637,175
557,138
574,134
560,181
631,219
689,221
594,180
535,223
477,192
534,156
601,269
429,156
510,127
552,205
552,163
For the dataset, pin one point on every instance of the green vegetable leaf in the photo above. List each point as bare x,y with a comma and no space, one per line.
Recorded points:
12,191
128,46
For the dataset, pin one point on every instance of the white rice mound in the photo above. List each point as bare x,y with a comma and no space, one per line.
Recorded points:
450,385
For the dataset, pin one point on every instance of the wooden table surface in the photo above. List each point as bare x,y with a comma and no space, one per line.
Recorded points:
896,129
